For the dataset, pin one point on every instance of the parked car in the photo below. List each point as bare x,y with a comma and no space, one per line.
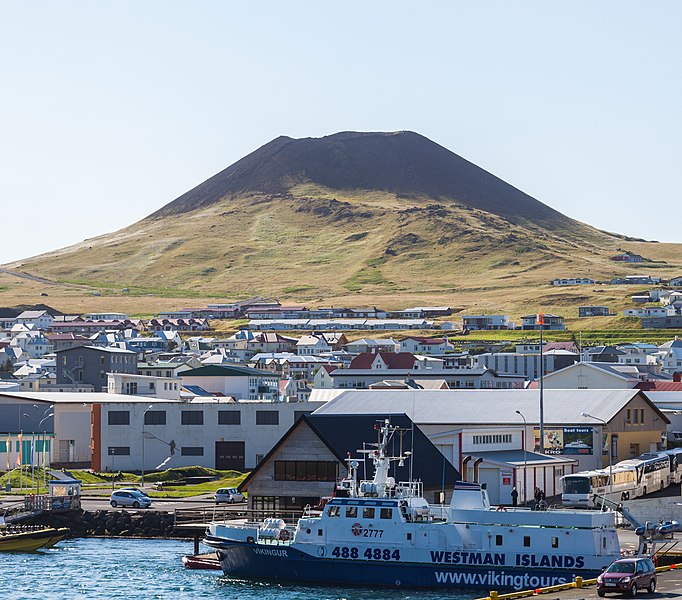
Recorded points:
130,497
228,496
133,489
628,576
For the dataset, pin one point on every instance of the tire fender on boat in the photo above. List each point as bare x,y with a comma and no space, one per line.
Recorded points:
284,535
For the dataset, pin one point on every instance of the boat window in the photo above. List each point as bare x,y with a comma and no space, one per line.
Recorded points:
334,511
351,512
555,542
386,513
368,512
526,541
498,540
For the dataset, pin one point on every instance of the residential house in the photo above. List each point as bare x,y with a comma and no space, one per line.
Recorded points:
670,355
636,280
573,281
551,322
422,345
485,322
165,324
629,257
606,354
234,381
673,322
90,364
372,346
34,343
62,341
675,282
132,384
318,343
106,316
593,311
40,319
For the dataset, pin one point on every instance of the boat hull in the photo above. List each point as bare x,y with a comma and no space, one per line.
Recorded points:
286,563
29,541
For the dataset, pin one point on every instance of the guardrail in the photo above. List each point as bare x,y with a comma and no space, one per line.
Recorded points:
199,515
578,583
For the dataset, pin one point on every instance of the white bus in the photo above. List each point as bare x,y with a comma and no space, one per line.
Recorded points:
631,478
675,455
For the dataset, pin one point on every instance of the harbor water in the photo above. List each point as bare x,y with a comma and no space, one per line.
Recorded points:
125,568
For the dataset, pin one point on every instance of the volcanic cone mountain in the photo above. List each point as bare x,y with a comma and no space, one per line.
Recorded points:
382,215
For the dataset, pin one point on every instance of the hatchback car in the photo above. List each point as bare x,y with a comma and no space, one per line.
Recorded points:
628,576
129,497
228,496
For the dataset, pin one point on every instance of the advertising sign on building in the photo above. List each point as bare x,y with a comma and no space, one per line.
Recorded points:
565,440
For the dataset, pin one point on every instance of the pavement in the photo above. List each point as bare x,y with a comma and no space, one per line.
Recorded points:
669,585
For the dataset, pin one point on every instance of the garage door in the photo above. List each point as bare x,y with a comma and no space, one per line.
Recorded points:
229,456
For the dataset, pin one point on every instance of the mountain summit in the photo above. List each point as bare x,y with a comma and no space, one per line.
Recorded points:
403,163
378,218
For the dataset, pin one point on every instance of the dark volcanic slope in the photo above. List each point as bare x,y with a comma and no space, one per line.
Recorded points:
401,162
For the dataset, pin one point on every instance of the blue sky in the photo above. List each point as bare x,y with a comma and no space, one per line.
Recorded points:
109,110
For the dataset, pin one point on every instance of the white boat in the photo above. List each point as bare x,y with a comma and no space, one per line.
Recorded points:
384,533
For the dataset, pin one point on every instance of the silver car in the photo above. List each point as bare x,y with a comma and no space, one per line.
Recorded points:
228,496
129,497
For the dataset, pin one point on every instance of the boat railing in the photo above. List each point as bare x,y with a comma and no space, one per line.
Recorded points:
203,515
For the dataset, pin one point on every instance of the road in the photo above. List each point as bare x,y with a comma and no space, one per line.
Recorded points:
92,503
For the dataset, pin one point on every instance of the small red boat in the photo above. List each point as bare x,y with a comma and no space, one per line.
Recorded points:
201,561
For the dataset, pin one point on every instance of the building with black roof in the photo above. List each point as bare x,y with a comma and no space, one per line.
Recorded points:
311,457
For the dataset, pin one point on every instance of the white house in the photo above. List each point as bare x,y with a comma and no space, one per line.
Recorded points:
41,319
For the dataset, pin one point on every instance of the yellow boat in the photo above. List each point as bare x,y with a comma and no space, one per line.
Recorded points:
19,539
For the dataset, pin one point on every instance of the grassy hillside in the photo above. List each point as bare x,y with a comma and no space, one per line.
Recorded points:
355,247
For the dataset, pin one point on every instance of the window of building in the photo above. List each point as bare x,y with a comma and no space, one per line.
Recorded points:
155,417
119,417
628,416
300,413
192,417
119,450
500,438
386,513
229,417
267,417
351,512
368,512
641,416
305,470
192,451
635,417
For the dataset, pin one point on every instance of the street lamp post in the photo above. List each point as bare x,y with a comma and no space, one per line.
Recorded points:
584,414
43,451
525,454
143,416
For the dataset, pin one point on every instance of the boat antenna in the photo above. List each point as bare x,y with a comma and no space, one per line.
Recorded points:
414,395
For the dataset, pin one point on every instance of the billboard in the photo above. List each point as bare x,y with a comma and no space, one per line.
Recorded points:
565,440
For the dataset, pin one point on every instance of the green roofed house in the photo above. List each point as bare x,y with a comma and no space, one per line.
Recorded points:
241,383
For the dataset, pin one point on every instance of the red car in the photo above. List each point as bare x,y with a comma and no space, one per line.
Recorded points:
628,576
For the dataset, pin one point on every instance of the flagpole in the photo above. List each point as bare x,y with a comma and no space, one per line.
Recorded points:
541,322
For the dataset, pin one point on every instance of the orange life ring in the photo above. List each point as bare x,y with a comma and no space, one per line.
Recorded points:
284,535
